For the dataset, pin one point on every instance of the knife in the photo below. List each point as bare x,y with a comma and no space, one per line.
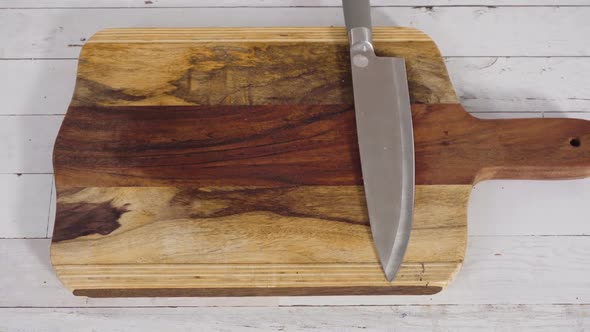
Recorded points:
385,135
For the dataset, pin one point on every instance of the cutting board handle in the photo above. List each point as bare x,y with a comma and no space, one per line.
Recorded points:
543,149
454,147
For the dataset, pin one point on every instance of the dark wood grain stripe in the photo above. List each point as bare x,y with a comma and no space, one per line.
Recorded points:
80,219
300,145
273,291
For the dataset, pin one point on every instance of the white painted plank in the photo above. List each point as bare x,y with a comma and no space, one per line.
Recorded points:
52,210
271,3
36,87
459,31
26,143
518,207
24,203
383,318
502,84
498,270
485,84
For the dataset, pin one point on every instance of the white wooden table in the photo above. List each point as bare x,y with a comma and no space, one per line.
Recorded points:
528,255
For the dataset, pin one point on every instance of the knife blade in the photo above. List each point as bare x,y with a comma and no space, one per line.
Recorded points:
385,135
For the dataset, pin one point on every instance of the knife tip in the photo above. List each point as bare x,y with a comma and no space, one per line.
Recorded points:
389,276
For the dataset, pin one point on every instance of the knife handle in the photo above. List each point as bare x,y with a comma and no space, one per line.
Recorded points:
357,14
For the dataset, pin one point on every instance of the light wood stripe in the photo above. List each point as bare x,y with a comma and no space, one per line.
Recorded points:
249,275
267,35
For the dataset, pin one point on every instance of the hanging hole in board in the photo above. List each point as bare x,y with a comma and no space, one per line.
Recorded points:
575,142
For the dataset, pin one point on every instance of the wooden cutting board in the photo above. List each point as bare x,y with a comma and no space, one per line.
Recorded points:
214,162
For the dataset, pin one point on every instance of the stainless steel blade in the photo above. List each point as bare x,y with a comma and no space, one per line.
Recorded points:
385,135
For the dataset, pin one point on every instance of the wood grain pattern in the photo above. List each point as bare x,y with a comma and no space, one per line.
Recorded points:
279,66
314,145
257,232
225,162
